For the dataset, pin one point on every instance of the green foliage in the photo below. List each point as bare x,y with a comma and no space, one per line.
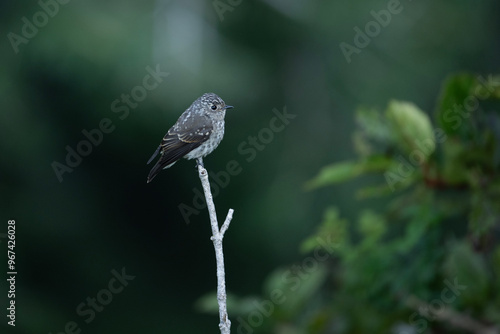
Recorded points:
333,230
462,96
411,126
404,130
461,261
457,90
436,243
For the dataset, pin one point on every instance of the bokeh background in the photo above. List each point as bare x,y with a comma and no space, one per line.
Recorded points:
259,56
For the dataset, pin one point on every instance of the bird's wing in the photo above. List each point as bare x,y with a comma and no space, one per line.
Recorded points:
176,145
182,138
186,135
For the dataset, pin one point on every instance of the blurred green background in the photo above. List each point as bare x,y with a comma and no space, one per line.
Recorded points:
62,77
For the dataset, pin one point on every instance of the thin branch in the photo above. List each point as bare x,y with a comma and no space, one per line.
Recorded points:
225,226
217,236
456,319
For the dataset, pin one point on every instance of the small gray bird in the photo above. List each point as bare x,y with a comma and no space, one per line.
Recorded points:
196,133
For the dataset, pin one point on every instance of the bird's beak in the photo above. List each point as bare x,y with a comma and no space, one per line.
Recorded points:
229,107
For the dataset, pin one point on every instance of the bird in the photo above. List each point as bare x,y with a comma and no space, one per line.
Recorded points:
197,132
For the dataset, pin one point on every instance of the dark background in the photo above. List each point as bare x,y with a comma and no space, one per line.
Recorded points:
262,55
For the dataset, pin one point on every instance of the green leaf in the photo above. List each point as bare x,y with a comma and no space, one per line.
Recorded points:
372,130
374,191
335,173
362,145
455,92
454,169
377,163
412,128
348,170
373,125
414,233
469,269
332,234
371,225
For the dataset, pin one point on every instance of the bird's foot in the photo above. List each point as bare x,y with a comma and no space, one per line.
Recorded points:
199,162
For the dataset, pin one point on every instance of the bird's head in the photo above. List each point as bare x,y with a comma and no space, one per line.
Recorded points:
213,103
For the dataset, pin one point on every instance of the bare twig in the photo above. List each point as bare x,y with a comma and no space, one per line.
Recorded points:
456,319
217,236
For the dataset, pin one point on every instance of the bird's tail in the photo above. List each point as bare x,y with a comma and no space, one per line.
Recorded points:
154,155
160,164
155,170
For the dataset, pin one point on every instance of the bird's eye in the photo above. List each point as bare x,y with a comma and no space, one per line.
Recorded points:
214,107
